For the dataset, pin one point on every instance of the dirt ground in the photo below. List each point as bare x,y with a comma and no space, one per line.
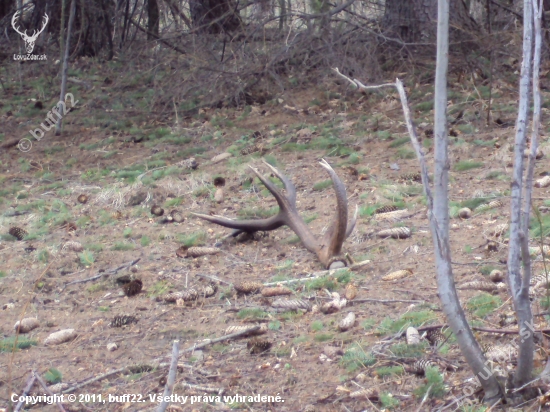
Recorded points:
311,363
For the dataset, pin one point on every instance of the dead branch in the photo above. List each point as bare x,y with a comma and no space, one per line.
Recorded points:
30,383
101,274
47,389
171,377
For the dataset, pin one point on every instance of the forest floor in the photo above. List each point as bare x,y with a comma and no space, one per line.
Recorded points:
125,159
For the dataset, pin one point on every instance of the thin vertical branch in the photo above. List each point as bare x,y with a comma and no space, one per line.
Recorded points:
171,377
65,67
519,285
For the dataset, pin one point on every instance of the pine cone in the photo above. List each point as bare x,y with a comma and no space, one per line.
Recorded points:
82,199
385,209
413,337
248,287
26,325
258,345
420,366
73,246
435,337
275,291
351,291
395,233
120,321
157,210
177,216
291,304
62,336
17,232
198,251
413,177
398,274
219,181
133,288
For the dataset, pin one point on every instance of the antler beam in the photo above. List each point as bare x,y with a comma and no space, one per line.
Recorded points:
328,247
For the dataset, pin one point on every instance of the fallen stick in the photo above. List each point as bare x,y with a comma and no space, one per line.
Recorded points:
161,365
214,278
101,274
317,275
169,387
26,391
48,391
219,391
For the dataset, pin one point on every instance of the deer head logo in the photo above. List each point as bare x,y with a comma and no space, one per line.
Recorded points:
29,40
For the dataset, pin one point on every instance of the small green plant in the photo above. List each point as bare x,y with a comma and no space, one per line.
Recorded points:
323,337
404,153
257,212
275,325
20,342
319,186
389,371
53,376
425,106
434,384
251,314
145,241
368,324
317,326
173,202
405,350
192,239
415,319
43,256
122,246
399,142
127,232
2,274
483,304
86,258
355,358
158,288
466,165
388,401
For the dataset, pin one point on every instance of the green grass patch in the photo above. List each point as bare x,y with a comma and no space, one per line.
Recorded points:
319,186
122,246
483,304
158,288
323,337
7,344
424,106
388,401
434,384
466,165
257,212
404,153
386,371
192,239
53,376
86,258
399,142
415,319
317,326
145,241
403,350
355,358
251,314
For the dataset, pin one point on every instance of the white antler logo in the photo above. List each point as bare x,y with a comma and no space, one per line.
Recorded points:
29,40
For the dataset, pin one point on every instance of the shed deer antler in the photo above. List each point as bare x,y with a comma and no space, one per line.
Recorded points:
29,40
328,247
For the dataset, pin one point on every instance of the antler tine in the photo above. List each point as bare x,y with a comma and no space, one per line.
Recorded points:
248,225
337,233
351,225
13,20
283,202
289,186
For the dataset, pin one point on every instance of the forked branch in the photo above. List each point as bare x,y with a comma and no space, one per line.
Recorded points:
328,247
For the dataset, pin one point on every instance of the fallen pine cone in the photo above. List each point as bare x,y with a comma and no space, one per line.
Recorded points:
291,304
420,366
198,251
413,337
239,328
82,199
496,276
120,321
413,177
26,325
479,285
220,157
385,209
73,246
498,230
491,205
219,181
209,290
187,296
133,288
333,306
176,216
398,274
347,322
367,393
543,182
218,195
395,233
258,345
391,216
17,232
351,291
248,286
275,291
62,336
435,337
465,213
157,210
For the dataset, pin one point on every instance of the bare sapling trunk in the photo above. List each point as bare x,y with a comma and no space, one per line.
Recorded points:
518,253
65,69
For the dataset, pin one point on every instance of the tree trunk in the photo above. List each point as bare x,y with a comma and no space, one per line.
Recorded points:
153,19
414,21
214,16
